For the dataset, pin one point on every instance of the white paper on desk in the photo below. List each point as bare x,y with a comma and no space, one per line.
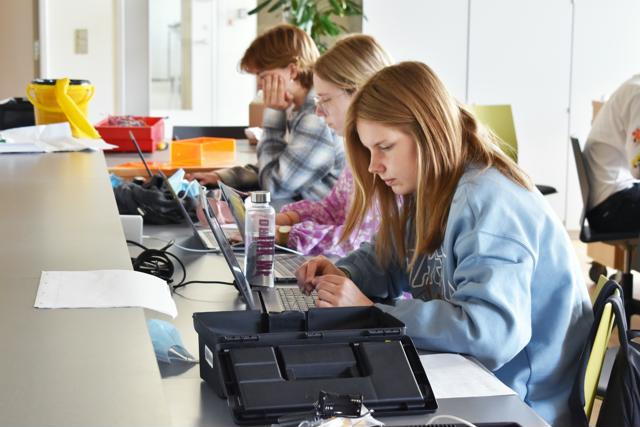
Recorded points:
104,289
453,375
48,139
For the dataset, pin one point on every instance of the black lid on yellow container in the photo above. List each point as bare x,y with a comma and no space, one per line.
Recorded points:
52,82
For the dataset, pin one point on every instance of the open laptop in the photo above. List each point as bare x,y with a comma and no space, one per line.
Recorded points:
285,264
277,299
201,239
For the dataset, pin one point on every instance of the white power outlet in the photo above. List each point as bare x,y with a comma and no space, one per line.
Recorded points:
81,41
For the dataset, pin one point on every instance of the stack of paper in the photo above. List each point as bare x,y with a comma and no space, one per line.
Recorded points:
47,139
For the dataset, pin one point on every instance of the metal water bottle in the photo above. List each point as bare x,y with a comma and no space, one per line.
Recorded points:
259,245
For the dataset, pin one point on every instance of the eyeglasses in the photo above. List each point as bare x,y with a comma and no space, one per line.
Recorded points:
321,103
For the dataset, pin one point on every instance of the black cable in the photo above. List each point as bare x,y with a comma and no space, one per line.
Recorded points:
215,282
157,263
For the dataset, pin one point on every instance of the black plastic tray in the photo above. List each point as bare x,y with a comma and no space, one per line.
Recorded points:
274,365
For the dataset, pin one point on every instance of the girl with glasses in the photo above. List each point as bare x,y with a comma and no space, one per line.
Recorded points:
317,225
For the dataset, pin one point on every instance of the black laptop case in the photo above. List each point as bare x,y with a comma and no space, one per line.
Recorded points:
271,365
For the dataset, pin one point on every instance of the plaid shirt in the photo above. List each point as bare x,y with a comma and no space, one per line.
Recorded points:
321,223
306,162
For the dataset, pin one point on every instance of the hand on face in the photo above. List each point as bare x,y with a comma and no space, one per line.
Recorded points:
276,95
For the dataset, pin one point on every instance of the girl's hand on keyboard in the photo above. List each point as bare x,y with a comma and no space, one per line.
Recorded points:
338,291
318,266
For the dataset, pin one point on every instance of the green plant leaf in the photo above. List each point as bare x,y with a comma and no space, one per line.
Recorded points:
300,13
259,7
353,7
329,26
337,7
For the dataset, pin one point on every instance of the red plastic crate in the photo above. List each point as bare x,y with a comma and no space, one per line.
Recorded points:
147,136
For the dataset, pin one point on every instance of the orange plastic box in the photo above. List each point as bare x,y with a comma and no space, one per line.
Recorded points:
147,136
205,151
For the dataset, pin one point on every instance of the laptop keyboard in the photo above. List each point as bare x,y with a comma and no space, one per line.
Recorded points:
287,265
293,299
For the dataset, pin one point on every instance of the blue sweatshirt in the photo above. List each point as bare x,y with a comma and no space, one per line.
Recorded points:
505,287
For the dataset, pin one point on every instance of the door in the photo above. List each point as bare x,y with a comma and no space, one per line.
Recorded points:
18,50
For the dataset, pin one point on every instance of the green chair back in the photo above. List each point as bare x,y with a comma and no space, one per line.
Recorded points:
499,119
598,351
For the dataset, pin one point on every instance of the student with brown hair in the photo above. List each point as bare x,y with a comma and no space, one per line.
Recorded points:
337,75
299,156
489,266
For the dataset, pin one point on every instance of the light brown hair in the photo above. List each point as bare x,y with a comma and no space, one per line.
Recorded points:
351,61
280,46
411,98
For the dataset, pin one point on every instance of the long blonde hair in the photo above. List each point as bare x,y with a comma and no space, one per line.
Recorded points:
411,98
280,46
351,61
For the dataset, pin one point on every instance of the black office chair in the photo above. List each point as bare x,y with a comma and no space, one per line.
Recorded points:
626,240
186,132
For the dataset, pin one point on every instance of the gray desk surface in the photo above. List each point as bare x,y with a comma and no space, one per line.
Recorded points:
192,402
95,367
87,367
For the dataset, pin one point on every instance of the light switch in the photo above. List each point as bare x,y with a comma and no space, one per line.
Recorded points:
81,41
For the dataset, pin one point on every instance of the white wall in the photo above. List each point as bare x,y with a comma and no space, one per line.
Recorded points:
431,31
520,53
220,34
62,18
232,89
162,14
606,53
513,61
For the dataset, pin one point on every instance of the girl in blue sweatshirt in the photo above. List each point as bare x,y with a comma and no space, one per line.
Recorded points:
489,266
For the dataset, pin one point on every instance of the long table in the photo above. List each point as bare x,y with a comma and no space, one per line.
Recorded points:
84,367
96,367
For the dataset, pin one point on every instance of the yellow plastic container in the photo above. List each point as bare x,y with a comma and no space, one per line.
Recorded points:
205,151
63,100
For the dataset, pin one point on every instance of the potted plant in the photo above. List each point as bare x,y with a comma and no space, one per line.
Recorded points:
316,17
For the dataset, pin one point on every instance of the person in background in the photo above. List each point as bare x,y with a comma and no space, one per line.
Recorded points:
337,75
490,268
299,157
612,153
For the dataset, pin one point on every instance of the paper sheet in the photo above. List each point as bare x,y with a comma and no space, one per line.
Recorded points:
47,139
104,289
453,375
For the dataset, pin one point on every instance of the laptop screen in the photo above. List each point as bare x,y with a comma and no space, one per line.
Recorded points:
183,210
236,205
241,281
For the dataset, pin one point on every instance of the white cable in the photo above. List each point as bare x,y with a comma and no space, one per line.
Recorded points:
156,238
450,417
205,251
